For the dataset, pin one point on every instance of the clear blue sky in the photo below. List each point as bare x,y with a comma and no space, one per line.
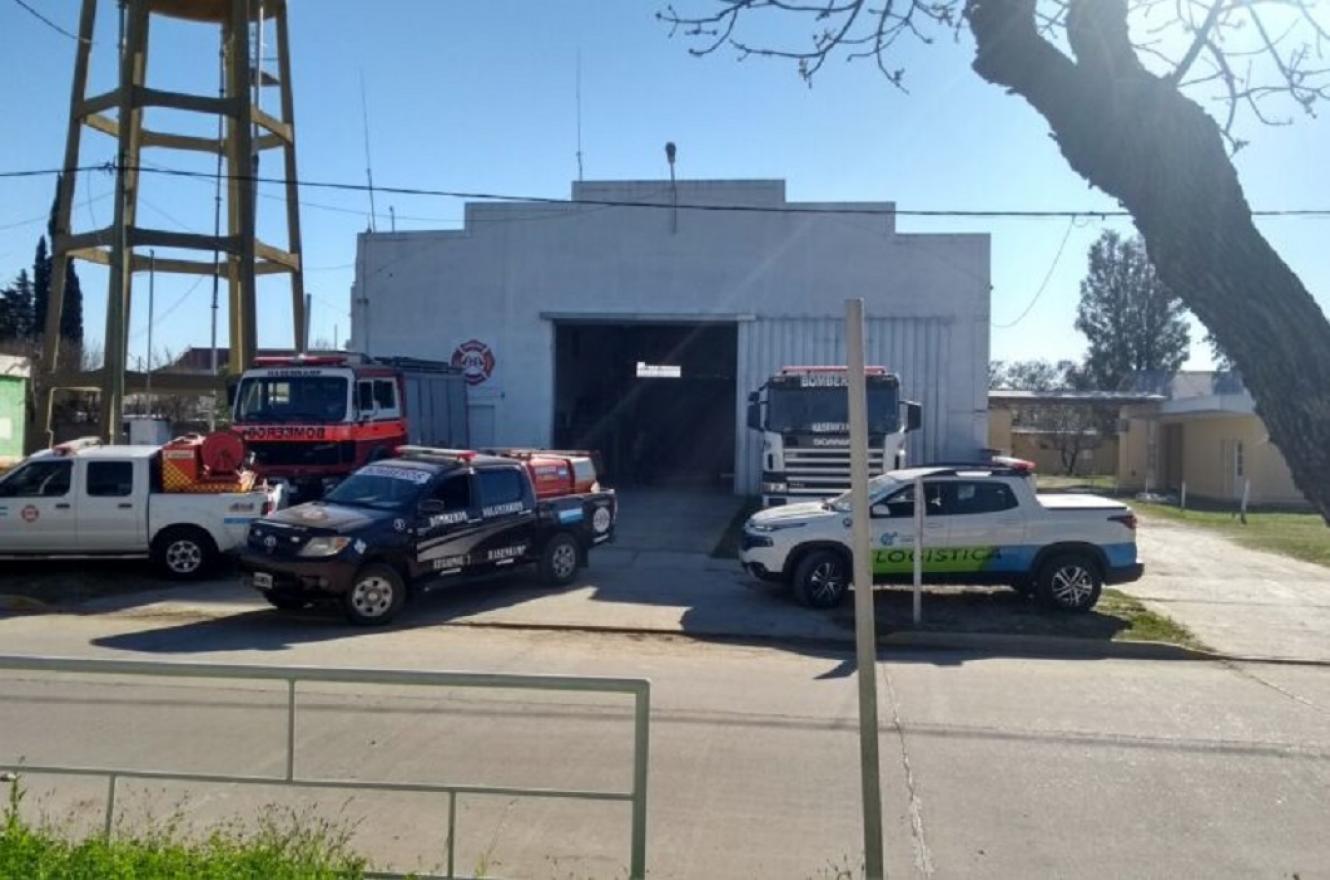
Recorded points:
478,95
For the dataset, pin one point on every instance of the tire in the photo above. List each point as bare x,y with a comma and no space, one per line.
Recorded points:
285,603
821,579
377,593
559,560
184,553
1070,582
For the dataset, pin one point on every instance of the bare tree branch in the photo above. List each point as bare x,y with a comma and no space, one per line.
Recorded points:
1198,43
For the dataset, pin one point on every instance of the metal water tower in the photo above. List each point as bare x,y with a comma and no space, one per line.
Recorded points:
236,254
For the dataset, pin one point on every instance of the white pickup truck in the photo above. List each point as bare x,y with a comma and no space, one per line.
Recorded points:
982,524
100,501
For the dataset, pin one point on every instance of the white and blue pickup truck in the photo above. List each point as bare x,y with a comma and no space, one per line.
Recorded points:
88,500
982,524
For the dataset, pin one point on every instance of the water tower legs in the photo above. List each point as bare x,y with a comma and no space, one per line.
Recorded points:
248,132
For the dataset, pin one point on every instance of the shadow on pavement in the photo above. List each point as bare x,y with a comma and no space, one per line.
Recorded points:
268,629
66,583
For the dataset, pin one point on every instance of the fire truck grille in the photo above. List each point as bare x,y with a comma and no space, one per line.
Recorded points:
303,454
818,473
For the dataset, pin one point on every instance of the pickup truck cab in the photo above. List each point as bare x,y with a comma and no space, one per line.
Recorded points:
96,501
417,521
982,524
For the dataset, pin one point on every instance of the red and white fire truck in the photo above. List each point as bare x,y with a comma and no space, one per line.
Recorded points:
310,420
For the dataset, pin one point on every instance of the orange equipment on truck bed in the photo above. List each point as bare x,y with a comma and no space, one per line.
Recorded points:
556,472
211,464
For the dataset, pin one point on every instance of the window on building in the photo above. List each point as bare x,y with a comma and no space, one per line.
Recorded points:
1239,465
110,479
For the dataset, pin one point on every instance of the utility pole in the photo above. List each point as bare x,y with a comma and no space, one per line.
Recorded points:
865,623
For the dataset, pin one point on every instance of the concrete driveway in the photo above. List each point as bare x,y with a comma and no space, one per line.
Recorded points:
657,576
1236,600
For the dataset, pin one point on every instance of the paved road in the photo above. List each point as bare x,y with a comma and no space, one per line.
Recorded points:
1239,601
992,767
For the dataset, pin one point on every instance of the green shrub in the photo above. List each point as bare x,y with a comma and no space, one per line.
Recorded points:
282,847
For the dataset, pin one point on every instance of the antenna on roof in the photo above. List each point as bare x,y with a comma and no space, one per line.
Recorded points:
369,173
579,115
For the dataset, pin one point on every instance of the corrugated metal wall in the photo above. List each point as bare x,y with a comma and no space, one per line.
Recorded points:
915,348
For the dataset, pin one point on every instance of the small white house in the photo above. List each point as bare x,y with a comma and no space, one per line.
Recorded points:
640,329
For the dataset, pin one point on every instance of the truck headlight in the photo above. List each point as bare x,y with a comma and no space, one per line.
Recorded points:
774,488
326,546
773,526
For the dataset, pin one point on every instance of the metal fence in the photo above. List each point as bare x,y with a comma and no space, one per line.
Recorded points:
638,689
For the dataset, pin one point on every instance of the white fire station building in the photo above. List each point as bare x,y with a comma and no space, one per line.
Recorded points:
640,329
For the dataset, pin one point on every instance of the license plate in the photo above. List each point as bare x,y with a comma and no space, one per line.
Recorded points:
261,580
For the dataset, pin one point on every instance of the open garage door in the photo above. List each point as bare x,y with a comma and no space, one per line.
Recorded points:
656,400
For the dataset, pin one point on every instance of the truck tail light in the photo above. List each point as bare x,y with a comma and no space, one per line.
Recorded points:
1127,519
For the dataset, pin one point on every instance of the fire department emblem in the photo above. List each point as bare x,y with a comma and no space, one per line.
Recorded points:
476,360
30,514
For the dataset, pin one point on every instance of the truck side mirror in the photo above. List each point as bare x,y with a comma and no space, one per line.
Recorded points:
754,414
431,507
230,395
754,397
914,416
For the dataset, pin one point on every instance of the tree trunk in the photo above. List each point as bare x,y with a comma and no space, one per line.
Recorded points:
1138,138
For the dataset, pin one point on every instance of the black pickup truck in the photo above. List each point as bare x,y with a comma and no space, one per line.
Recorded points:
418,521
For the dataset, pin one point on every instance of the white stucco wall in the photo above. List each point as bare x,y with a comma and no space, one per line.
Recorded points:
784,277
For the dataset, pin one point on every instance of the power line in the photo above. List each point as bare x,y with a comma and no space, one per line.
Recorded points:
1047,277
1074,214
50,24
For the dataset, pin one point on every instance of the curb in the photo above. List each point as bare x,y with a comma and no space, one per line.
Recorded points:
1048,646
998,644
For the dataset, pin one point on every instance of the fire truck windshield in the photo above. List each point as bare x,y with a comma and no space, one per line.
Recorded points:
824,410
268,399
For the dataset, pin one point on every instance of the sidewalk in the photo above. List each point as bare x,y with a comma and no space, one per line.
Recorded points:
1236,600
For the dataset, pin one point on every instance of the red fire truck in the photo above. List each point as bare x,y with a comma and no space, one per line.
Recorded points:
310,420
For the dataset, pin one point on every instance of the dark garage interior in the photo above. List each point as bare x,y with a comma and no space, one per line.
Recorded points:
659,429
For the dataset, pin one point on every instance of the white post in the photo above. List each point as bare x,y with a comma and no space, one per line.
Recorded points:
918,550
1246,495
865,628
1183,500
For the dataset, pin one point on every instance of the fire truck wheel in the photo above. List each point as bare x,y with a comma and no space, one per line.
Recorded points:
376,595
184,552
559,560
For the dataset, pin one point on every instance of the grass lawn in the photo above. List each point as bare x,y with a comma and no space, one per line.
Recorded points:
1303,536
278,849
1060,483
